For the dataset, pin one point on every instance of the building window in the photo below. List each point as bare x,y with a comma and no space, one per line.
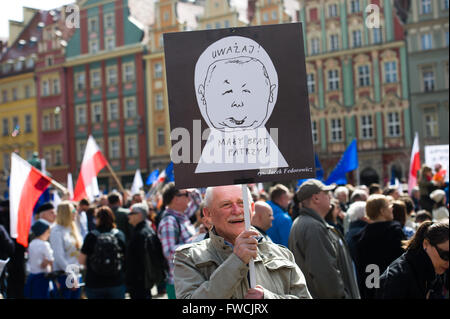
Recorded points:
128,72
81,145
428,80
56,88
46,122
217,25
366,127
354,6
208,26
80,82
265,17
114,147
131,146
6,162
80,114
332,10
113,110
15,97
27,91
57,121
431,123
5,127
93,24
97,115
311,83
130,108
28,125
446,4
377,35
336,130
426,6
93,46
159,102
161,139
109,20
334,42
226,24
315,132
157,71
58,157
357,38
393,124
111,75
426,41
48,158
45,88
4,96
110,42
315,46
390,72
274,15
313,14
363,75
49,61
333,80
95,79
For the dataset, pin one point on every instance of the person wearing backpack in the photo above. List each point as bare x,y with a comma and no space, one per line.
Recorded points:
175,227
136,282
103,254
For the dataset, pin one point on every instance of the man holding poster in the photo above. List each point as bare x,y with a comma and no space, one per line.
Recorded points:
223,258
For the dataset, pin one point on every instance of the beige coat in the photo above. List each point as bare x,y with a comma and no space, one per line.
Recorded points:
210,270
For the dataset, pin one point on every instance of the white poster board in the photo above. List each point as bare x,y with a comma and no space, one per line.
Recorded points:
437,154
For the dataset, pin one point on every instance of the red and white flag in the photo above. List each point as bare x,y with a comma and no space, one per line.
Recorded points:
93,162
414,165
25,187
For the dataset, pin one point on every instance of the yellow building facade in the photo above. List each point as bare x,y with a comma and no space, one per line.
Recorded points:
18,120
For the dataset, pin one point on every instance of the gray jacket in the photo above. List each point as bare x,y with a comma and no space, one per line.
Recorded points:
210,270
323,256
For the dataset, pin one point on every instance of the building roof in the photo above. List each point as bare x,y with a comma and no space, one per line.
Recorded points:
187,13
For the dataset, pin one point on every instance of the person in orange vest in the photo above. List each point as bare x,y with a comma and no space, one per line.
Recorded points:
439,176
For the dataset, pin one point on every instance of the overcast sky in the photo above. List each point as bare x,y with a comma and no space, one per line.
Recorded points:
13,11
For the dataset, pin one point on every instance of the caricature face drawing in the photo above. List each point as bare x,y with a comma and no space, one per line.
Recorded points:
236,93
236,84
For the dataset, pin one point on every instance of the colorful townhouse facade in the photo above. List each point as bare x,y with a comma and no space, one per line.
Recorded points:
105,90
357,79
427,30
51,93
169,16
18,99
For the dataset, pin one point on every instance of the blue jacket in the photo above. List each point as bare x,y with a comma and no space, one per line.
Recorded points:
281,225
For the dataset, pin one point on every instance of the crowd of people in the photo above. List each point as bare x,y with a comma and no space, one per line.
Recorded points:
318,242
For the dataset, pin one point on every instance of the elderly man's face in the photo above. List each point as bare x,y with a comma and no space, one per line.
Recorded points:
226,212
49,215
237,95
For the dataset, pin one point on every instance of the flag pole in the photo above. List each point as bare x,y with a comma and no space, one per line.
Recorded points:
115,177
59,186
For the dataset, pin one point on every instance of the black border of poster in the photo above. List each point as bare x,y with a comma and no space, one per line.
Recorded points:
291,116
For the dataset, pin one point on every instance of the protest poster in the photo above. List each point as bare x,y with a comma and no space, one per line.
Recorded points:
437,154
238,105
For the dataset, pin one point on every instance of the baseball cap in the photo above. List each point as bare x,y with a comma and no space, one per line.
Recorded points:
437,195
137,208
44,207
39,227
311,187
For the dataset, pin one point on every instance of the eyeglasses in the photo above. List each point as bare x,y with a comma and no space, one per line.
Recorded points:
442,253
182,194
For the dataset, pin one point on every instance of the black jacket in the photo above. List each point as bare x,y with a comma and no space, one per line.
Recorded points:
411,276
135,258
379,243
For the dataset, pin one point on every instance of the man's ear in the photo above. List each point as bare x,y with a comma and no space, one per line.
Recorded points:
201,91
272,87
206,212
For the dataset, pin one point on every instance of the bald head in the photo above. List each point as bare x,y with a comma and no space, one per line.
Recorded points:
263,215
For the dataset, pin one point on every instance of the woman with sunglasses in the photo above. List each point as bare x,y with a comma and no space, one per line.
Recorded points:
417,273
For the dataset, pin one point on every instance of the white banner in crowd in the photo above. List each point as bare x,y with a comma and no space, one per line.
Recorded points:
437,154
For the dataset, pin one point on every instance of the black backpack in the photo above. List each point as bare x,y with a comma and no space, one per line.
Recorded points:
107,258
156,266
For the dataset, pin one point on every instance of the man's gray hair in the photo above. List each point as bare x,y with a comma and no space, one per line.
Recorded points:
209,196
356,211
341,189
140,208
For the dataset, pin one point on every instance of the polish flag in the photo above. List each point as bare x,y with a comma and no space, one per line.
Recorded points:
93,162
26,186
414,165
